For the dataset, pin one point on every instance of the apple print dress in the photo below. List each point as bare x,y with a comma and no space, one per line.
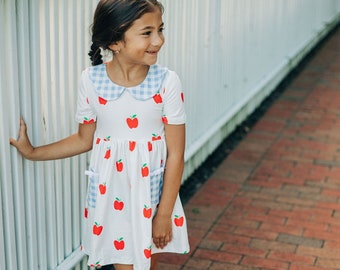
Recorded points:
125,174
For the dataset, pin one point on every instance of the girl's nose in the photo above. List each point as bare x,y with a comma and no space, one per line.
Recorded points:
158,39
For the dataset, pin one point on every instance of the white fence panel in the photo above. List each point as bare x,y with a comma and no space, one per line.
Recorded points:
230,54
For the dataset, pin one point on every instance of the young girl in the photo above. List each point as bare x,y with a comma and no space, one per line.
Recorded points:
130,113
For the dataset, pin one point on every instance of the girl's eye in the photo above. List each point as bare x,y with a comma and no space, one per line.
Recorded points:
148,33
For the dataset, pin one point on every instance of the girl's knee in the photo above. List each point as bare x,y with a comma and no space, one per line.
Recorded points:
123,267
154,262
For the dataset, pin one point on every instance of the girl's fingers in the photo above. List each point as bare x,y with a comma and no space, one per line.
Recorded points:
161,242
12,141
23,128
22,134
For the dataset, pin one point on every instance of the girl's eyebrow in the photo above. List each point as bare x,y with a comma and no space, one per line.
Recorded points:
151,27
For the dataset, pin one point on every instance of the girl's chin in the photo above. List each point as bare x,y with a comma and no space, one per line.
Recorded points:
151,62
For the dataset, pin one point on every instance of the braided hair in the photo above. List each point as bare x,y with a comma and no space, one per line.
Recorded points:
95,55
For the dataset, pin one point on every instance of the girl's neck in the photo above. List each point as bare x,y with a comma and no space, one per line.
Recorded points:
126,75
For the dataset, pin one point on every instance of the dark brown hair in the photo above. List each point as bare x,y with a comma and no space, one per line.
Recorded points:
112,19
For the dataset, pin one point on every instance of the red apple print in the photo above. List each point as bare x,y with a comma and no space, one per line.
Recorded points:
102,188
182,96
164,119
119,243
145,170
96,264
102,101
108,153
157,98
179,220
149,146
147,211
97,229
118,204
147,252
119,165
132,145
107,139
156,137
132,122
98,141
88,121
86,213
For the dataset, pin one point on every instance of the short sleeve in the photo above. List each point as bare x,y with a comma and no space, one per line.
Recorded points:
173,97
85,113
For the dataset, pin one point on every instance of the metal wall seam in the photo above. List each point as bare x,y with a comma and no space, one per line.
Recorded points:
9,210
26,196
2,146
37,256
46,70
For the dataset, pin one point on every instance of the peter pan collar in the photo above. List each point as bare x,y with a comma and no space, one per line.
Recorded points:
108,90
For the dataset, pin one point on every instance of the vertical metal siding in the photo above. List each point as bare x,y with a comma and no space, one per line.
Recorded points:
44,45
229,54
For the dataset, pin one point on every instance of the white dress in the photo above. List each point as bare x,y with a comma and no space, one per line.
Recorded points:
128,159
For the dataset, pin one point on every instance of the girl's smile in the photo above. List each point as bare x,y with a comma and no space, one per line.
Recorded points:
152,52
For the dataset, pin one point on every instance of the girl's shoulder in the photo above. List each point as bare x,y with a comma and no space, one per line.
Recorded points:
95,72
171,79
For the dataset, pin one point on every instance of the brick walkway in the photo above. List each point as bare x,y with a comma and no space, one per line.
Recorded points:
273,203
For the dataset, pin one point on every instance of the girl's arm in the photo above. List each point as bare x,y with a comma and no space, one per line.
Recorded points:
175,140
75,144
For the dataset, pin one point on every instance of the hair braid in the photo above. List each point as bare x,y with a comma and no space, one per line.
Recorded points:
95,55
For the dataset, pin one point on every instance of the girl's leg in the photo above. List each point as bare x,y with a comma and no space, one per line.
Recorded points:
123,267
154,261
154,264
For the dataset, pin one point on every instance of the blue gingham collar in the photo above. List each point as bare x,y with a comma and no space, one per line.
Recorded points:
108,90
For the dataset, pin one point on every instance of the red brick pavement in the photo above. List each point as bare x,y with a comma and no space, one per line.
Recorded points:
273,203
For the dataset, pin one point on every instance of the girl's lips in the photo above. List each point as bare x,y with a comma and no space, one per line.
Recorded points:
152,52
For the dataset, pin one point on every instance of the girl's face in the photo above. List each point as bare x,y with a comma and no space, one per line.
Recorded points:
143,40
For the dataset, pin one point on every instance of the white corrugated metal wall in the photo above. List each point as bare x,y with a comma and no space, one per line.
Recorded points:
229,53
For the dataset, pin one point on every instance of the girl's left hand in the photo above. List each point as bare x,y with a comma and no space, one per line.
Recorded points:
161,231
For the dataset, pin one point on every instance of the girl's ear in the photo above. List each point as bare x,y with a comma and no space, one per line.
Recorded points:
115,47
